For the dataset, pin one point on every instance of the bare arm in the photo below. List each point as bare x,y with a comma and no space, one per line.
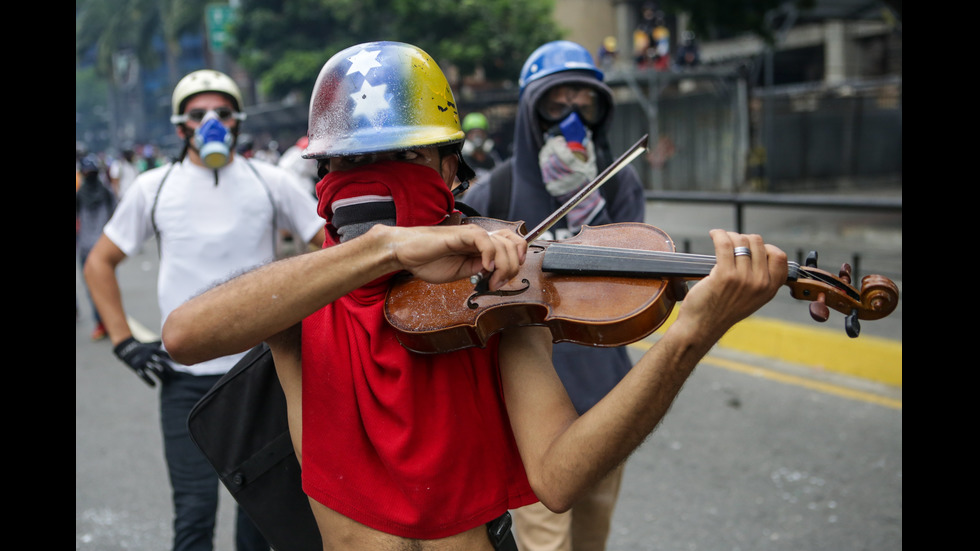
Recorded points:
247,310
100,277
564,455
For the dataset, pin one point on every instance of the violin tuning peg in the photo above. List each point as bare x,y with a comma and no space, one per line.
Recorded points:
819,310
811,259
845,273
852,325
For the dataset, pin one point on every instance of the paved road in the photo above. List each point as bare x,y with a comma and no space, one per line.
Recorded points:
757,453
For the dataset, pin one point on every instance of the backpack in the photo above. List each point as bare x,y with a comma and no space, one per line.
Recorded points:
241,427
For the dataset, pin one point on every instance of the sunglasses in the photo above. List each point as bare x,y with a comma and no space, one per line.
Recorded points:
587,103
197,115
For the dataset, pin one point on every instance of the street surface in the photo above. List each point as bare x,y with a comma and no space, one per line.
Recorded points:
755,455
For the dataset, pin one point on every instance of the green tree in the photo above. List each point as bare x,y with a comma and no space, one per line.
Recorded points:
106,28
283,44
116,37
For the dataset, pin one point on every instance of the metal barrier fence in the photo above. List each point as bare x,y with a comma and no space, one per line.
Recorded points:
709,132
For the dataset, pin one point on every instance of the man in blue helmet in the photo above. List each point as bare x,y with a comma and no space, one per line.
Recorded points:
560,144
408,450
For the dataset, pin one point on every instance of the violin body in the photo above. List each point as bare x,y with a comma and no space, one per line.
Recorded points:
608,286
600,311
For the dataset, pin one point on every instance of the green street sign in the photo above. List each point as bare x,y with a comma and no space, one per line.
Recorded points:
217,17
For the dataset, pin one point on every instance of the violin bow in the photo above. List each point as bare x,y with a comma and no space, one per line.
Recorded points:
626,158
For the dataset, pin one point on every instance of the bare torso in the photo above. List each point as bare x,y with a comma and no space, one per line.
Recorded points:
339,532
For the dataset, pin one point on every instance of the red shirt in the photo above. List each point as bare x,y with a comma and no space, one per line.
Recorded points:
415,445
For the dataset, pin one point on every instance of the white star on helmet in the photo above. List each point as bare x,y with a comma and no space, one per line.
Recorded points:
370,100
363,61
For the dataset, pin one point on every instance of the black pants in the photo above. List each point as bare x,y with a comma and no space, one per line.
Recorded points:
193,479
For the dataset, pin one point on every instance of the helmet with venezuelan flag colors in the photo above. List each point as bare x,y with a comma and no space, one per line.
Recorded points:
380,96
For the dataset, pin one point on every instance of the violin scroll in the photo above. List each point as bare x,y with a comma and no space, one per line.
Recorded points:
877,298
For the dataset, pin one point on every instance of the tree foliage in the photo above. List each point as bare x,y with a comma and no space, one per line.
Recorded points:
104,28
283,44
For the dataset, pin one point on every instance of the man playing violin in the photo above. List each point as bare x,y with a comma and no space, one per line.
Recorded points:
401,450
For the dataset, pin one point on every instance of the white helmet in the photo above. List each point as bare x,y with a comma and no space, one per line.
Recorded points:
204,80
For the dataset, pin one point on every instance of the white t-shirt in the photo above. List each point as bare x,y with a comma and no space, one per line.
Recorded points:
210,232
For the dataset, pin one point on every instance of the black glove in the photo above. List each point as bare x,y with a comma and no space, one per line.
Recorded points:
143,358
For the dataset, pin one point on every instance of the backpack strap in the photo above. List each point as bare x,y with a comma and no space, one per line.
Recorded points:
153,209
268,193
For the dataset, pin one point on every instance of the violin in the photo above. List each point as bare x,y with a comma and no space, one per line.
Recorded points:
608,286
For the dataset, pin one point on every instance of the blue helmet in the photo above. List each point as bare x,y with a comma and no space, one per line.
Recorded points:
555,57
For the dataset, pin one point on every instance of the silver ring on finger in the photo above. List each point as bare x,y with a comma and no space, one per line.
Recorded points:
742,251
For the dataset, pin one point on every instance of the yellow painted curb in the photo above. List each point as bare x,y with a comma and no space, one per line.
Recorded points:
867,357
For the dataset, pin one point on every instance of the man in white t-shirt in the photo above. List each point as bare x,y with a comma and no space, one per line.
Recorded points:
213,215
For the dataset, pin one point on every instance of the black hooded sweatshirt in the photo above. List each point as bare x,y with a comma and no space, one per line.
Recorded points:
588,373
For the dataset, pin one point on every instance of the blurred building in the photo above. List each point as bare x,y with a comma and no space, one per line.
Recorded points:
818,109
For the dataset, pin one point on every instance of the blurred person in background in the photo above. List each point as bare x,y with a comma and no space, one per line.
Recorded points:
292,160
94,204
478,149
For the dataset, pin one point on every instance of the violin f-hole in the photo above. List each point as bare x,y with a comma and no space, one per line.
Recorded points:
472,305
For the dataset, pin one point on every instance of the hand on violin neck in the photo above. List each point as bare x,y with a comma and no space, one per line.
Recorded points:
441,254
737,285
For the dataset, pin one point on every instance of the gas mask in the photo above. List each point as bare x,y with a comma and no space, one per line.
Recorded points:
567,159
213,141
568,162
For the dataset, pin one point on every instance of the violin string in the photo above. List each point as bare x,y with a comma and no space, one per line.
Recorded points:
672,257
679,259
613,253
